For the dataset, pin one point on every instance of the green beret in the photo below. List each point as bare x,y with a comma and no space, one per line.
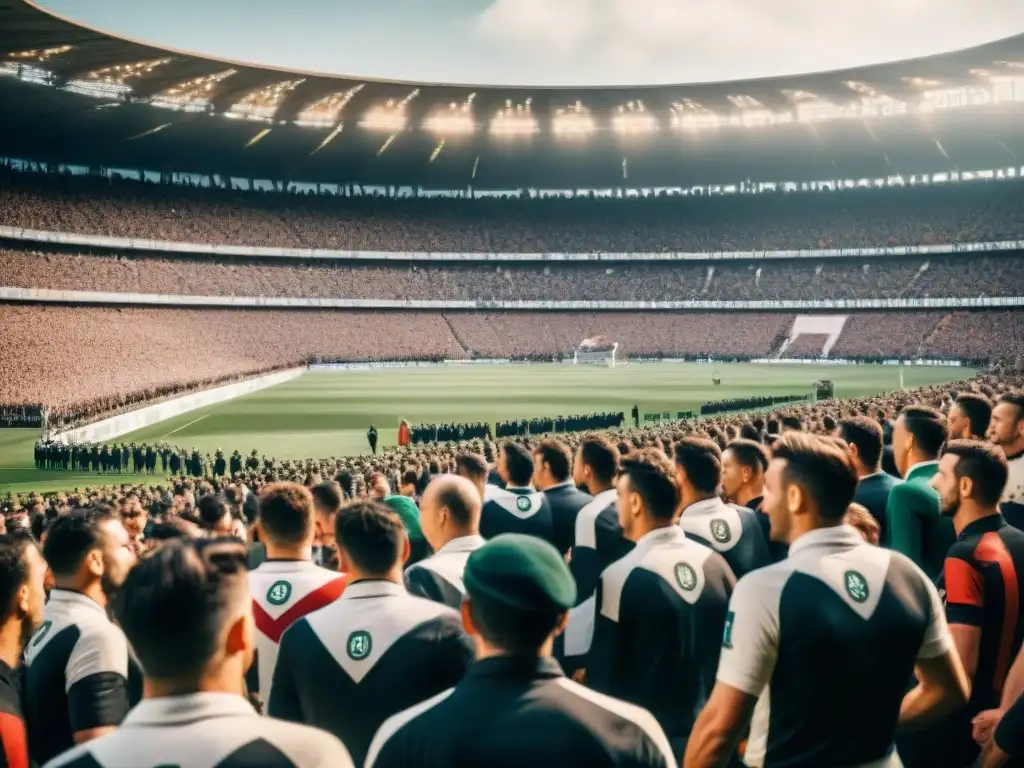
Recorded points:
521,572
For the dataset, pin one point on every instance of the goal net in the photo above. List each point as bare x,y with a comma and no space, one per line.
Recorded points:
598,350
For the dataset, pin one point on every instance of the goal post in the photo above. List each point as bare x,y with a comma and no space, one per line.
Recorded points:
606,357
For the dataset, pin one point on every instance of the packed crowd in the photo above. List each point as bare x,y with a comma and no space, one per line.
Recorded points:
960,276
21,416
865,217
248,581
65,357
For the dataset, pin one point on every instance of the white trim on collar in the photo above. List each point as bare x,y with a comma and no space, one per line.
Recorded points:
836,535
373,588
462,544
705,506
189,707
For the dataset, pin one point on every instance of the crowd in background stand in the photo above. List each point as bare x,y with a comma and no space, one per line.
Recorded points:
954,213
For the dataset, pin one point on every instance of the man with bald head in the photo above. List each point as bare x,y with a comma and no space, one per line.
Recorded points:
450,518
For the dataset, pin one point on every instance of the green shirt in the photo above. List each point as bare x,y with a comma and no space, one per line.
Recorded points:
915,523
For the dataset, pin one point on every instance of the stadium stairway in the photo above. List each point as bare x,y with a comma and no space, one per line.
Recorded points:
465,347
937,329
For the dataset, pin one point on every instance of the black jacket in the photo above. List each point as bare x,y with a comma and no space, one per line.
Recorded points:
566,501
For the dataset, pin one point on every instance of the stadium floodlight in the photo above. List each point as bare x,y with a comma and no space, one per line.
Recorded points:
452,120
40,54
632,118
515,120
112,82
263,103
192,95
325,112
389,116
574,122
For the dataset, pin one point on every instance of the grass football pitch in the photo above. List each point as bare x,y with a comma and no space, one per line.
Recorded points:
327,413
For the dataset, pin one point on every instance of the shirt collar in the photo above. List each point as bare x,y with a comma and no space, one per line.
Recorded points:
285,566
372,588
919,465
516,667
519,489
705,507
837,536
660,536
565,484
1014,456
879,473
984,524
462,544
190,707
75,598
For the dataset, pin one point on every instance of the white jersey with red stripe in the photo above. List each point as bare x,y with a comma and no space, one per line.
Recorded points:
282,592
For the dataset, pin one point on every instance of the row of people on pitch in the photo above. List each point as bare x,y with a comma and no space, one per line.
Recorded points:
447,433
746,403
560,424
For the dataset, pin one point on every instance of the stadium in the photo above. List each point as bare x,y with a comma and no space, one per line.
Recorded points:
172,222
658,403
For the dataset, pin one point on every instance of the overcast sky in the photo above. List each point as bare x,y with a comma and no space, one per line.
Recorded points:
557,42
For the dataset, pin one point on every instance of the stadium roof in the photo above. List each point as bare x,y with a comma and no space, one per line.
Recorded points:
377,131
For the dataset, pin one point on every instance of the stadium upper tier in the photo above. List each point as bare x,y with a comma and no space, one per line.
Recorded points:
961,276
74,94
965,212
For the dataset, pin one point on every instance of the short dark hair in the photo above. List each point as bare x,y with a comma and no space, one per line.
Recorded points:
409,478
471,465
927,426
174,603
978,410
516,632
749,431
792,422
519,463
371,535
557,456
985,464
702,461
1014,398
212,508
651,475
822,469
329,496
13,568
829,422
286,513
749,454
866,434
601,456
73,536
169,529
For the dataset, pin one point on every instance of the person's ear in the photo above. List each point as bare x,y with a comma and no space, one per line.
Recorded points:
563,622
22,598
94,562
467,619
406,550
239,638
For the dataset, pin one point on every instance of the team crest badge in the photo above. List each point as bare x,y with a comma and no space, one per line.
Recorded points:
686,577
856,586
279,593
523,503
720,531
359,645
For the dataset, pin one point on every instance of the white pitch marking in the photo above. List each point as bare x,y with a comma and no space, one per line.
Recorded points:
183,427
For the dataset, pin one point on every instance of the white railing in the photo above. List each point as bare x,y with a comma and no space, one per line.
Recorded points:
252,251
46,295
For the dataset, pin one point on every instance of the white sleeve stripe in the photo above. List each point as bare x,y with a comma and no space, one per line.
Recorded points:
393,724
639,716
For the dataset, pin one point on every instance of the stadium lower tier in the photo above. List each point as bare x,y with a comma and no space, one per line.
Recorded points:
64,356
958,276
